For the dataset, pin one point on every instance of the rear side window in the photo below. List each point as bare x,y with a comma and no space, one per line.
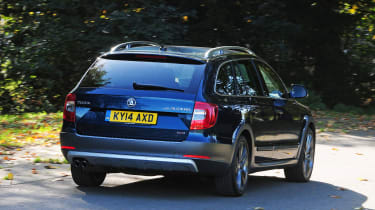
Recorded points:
246,78
123,73
225,80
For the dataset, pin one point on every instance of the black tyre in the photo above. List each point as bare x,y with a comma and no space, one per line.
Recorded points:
303,170
87,179
234,182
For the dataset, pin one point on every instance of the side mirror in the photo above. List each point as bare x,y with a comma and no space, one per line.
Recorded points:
298,91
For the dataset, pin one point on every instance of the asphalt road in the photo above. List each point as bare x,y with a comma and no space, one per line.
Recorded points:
343,164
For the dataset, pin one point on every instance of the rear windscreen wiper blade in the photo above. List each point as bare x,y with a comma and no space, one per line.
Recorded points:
137,86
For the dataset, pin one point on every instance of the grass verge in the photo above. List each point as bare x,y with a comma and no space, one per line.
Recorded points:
29,128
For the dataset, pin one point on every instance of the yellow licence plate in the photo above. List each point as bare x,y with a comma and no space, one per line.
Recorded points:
131,117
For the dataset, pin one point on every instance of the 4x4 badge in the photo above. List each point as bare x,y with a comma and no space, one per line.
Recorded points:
131,102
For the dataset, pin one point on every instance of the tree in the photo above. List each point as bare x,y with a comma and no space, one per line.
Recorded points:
47,45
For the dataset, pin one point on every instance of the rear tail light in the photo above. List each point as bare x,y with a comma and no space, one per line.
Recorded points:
204,116
70,107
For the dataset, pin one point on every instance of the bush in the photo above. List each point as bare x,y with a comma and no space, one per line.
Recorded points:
348,109
314,101
46,46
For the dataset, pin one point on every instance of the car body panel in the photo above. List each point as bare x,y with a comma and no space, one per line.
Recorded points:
174,113
220,154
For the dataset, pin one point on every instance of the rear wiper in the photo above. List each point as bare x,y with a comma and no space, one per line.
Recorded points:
153,87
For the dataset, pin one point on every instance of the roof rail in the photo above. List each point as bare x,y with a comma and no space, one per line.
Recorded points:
128,45
221,50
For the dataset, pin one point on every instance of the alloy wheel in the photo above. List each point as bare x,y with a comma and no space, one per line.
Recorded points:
309,150
242,166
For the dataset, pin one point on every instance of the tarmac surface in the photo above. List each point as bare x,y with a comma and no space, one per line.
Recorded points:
343,179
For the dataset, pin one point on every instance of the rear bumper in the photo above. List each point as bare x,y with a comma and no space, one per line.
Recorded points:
147,155
135,161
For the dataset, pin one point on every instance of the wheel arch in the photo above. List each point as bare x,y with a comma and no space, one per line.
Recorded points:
245,129
312,126
308,122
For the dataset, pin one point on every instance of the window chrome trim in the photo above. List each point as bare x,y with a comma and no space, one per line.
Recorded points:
257,96
217,74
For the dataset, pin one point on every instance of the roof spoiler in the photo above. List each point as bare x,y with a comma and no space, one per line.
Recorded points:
152,57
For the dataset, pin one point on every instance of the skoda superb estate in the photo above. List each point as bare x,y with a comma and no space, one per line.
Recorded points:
219,112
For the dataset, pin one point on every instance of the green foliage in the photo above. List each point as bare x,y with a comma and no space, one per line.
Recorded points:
50,160
348,109
29,128
46,45
314,101
317,43
342,108
37,160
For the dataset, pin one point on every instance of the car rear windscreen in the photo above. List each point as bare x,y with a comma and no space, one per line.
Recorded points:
124,73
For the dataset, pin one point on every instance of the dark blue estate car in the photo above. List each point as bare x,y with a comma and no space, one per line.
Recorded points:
221,112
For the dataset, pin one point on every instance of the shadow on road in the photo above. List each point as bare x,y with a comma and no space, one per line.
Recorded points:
193,193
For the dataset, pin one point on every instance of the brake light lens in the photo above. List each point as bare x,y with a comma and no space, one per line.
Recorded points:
67,147
151,56
70,108
204,116
197,156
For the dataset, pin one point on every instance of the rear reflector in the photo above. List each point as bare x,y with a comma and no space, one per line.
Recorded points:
197,156
204,116
67,147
